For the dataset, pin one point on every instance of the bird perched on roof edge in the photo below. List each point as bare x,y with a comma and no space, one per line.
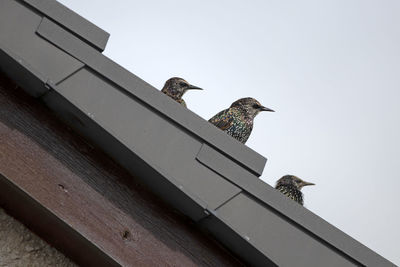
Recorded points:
290,186
237,120
176,87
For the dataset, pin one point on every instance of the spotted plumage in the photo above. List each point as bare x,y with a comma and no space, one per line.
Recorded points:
237,120
290,186
176,87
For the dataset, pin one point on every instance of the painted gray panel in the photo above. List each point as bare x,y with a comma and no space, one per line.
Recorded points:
17,33
81,27
284,244
159,183
156,140
136,87
25,75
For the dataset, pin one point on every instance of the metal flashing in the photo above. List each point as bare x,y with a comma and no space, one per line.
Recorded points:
135,87
76,24
23,72
211,177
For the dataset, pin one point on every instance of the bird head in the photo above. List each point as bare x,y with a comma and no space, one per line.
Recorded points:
176,87
249,106
292,181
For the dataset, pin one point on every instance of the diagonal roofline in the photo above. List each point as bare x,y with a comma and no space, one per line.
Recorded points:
211,177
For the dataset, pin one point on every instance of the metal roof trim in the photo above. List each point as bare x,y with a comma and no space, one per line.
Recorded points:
79,26
113,72
217,165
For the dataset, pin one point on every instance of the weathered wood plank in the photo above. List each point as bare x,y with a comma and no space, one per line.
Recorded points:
87,191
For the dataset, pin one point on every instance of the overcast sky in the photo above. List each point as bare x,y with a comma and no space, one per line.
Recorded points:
330,69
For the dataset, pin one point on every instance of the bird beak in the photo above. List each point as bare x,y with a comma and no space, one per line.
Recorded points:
262,108
192,87
307,183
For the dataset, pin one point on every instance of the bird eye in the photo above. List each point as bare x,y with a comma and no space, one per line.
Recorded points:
256,106
182,84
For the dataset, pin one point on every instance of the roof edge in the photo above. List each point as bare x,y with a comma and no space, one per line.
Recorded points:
79,26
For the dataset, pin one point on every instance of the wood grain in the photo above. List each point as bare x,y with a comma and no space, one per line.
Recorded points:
90,194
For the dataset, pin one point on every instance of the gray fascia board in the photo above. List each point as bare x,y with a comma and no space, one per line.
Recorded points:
87,31
25,75
137,88
235,242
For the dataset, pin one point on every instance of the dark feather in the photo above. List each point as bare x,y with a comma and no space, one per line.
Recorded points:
223,119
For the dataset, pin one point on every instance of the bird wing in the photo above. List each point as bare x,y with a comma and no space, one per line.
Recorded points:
182,102
222,120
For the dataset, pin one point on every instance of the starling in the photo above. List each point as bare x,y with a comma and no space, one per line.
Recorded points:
176,88
237,121
291,185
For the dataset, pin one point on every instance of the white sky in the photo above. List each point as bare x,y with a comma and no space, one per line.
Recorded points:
330,69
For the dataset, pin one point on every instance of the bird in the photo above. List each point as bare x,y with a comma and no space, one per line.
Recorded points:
176,87
290,186
237,120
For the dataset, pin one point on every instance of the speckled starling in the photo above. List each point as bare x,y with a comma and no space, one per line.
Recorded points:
237,121
176,87
290,186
